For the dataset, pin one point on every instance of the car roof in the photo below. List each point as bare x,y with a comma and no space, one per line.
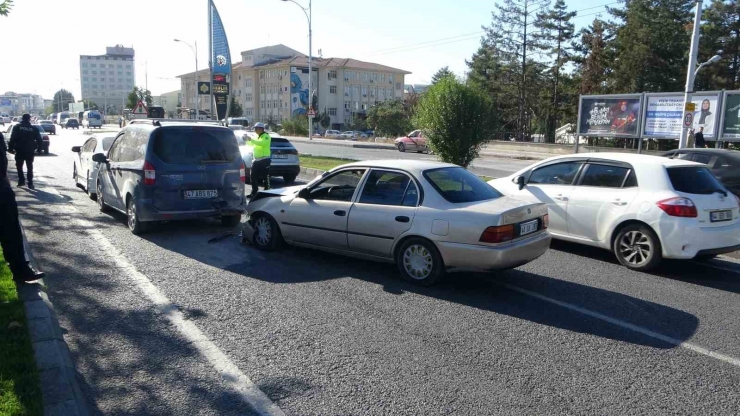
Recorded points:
631,158
413,166
727,152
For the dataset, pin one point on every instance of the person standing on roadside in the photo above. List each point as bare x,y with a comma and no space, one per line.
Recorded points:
700,143
11,238
260,158
25,140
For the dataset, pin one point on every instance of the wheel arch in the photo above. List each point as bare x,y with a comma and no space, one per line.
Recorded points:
627,223
400,242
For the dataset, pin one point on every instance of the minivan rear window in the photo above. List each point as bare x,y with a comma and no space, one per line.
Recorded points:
194,145
694,180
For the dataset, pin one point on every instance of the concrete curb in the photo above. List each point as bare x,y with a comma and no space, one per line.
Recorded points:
61,392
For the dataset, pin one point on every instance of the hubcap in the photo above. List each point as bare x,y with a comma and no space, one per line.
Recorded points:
636,248
132,216
417,261
264,231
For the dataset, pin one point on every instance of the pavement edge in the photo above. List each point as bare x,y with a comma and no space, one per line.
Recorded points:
59,387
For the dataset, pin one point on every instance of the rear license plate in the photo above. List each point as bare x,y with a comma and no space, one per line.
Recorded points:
201,194
528,227
718,216
279,156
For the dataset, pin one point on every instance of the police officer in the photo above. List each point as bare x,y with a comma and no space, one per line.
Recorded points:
11,238
24,141
260,158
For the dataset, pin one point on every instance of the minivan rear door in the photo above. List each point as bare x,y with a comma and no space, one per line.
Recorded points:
715,205
196,169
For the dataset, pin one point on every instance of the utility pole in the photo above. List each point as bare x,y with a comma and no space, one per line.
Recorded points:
690,74
524,74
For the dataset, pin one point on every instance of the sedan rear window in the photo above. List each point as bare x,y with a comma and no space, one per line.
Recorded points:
194,145
458,186
694,180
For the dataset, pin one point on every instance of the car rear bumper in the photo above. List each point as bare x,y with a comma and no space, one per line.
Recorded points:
479,257
682,241
147,212
279,170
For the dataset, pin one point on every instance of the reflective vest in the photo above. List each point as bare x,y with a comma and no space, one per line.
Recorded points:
261,146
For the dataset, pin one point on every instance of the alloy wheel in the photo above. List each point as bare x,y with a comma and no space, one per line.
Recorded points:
635,247
418,261
131,216
264,231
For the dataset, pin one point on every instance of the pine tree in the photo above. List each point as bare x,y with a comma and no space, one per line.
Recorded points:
720,35
443,72
592,57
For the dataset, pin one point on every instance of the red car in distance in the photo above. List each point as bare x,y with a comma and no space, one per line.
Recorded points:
413,142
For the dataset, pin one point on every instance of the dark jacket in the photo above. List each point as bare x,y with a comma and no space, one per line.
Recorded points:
3,159
700,142
25,139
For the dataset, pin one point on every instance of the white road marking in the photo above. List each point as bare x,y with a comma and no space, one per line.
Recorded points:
626,325
230,373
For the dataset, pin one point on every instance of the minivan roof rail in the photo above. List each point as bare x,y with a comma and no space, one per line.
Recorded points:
159,121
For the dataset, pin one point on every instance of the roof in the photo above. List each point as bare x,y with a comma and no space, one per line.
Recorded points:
631,158
413,166
331,63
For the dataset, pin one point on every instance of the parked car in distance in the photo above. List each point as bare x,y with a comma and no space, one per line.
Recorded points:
413,142
285,161
92,119
70,123
332,134
172,171
427,217
643,208
48,126
16,120
85,170
724,164
44,138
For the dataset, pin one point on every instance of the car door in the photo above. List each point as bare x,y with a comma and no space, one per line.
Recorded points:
86,163
110,179
553,184
602,195
321,218
411,143
383,211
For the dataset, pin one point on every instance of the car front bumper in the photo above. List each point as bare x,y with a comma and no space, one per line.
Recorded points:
685,239
505,256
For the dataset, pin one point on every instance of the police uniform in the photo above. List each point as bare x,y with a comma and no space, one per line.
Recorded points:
25,140
261,161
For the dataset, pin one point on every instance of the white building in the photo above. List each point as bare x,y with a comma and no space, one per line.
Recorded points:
107,79
18,104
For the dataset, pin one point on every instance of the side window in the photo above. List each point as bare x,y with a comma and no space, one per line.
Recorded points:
723,163
559,174
142,140
90,146
414,134
115,151
701,158
389,188
682,155
604,176
339,187
631,181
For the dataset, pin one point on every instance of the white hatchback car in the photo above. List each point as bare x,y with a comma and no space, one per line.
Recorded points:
85,170
643,208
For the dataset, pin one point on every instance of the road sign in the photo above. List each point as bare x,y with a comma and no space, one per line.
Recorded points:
140,108
688,119
690,107
311,113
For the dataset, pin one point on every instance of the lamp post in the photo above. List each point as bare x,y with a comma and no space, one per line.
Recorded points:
307,12
197,98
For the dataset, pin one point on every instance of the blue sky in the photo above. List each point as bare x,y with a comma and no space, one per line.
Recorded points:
44,38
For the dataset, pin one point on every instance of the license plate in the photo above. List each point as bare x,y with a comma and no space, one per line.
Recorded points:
279,156
718,216
201,194
528,227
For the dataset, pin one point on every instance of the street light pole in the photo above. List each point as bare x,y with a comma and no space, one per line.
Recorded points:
691,73
309,15
197,98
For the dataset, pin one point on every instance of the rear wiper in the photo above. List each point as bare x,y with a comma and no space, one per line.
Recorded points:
719,191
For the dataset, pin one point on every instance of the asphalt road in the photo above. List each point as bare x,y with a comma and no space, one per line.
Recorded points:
570,333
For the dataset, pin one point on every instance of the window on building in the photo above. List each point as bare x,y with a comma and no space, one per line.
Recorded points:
128,73
332,74
347,105
398,85
332,111
248,83
110,65
286,89
262,89
102,78
364,90
84,64
95,79
357,105
110,72
364,106
332,89
390,78
249,98
84,71
94,72
120,73
93,65
120,66
346,91
128,66
346,75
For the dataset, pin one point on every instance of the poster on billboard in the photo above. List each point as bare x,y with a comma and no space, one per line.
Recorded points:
299,101
610,115
730,129
664,115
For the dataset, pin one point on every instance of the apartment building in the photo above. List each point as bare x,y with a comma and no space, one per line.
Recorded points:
108,79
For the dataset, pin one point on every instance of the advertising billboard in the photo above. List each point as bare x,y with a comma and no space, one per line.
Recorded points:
730,129
610,115
664,115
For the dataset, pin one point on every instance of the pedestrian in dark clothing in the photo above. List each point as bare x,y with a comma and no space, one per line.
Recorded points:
700,143
25,140
11,237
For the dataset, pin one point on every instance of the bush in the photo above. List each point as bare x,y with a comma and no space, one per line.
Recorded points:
296,126
457,119
389,119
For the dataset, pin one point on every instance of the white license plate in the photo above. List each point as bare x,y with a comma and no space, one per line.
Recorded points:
718,216
528,227
201,194
279,156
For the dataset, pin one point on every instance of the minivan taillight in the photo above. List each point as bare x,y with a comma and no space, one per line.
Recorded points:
497,234
678,207
243,173
150,175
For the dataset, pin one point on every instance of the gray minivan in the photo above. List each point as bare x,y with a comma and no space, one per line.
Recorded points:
172,171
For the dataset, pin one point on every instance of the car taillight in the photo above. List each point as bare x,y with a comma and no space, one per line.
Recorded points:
678,207
150,175
497,234
545,221
243,173
290,152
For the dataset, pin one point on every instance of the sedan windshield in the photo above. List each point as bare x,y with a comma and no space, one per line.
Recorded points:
458,186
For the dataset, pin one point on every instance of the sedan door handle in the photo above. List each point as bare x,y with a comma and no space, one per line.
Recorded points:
340,213
402,218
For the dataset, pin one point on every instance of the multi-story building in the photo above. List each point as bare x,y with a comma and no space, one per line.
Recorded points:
17,104
271,84
169,101
107,79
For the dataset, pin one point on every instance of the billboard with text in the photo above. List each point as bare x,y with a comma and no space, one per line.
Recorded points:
730,129
664,115
610,115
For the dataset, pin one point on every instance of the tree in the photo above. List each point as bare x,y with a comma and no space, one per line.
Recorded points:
5,7
295,126
139,94
457,119
390,118
235,109
90,105
324,119
592,57
720,35
441,73
61,100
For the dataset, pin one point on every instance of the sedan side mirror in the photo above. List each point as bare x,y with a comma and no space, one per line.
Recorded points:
304,193
521,182
76,149
99,158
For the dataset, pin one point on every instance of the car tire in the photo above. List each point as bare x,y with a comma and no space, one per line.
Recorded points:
132,218
638,248
46,151
74,173
401,147
419,262
289,178
101,200
267,236
231,220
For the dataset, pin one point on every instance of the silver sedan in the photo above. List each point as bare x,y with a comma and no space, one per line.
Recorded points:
427,217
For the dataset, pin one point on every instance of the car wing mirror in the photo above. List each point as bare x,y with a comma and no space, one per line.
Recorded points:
521,182
76,149
304,193
99,158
